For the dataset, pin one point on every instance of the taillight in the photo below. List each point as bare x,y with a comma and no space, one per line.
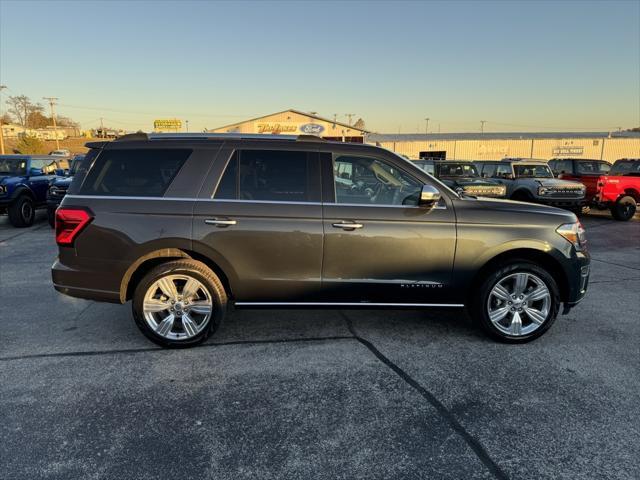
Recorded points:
70,221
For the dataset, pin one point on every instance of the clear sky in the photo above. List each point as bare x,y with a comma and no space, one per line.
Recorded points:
521,66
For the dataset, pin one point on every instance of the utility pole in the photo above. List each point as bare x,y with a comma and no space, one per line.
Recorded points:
102,135
187,122
52,103
350,116
426,128
2,87
482,122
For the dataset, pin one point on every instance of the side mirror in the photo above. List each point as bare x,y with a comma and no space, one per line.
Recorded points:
429,196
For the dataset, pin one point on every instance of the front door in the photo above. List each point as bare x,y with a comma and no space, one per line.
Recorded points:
379,245
264,225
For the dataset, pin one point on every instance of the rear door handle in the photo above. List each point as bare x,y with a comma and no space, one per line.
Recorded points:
220,223
347,225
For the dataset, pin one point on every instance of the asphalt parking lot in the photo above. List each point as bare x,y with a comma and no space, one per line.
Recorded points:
318,394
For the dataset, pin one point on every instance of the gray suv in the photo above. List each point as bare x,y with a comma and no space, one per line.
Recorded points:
182,225
531,180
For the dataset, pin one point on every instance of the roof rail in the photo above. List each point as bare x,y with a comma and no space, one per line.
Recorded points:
213,136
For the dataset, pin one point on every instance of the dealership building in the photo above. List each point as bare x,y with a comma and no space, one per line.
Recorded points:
495,146
295,122
459,146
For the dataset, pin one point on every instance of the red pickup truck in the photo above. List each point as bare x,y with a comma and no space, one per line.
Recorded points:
619,191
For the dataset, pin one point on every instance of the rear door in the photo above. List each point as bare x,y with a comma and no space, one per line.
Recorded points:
379,246
259,217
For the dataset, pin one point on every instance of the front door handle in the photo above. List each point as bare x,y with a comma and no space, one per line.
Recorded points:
347,225
220,223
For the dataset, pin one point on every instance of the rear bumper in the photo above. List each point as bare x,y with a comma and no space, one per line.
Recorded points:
74,284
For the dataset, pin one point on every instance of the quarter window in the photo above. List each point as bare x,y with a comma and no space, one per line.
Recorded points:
268,175
369,181
136,172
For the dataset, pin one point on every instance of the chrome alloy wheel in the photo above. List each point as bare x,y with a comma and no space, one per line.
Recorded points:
519,304
177,307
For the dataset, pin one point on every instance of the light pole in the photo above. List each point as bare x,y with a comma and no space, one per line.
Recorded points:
187,122
426,128
52,102
2,87
482,122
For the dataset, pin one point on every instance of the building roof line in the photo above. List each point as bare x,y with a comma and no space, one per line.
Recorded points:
299,112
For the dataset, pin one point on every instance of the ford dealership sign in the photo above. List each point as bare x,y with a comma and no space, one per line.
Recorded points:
311,129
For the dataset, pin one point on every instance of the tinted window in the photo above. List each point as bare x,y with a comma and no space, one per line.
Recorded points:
47,164
561,166
139,172
487,169
532,171
13,166
366,180
626,167
428,167
497,170
267,175
457,170
595,168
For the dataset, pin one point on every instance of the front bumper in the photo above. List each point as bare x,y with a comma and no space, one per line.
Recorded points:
562,202
578,280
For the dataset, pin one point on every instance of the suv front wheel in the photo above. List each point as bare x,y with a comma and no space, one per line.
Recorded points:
179,303
517,303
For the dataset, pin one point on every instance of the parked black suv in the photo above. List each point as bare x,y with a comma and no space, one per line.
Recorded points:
462,177
183,224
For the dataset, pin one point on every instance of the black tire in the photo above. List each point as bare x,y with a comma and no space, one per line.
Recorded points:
51,216
479,304
22,212
624,209
521,196
190,268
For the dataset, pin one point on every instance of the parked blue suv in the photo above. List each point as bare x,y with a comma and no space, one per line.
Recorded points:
58,189
24,182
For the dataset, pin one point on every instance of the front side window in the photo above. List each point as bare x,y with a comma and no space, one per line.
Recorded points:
369,181
136,172
267,175
533,171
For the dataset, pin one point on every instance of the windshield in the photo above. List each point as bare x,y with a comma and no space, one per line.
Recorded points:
13,166
532,171
458,170
626,167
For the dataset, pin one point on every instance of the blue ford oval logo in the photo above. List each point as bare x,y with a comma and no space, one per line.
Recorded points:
312,128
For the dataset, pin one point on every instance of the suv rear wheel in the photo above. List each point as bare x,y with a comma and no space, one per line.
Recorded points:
624,209
517,303
22,212
179,303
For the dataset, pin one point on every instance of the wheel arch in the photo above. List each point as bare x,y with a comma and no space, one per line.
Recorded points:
631,192
538,257
145,263
22,190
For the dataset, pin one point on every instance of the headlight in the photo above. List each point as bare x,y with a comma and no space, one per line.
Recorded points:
574,233
543,190
3,189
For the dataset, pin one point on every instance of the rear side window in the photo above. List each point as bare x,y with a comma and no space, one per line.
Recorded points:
139,172
269,175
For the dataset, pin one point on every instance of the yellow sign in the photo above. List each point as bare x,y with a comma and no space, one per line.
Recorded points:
277,127
167,124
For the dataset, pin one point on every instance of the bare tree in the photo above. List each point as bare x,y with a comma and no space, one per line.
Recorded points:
21,108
